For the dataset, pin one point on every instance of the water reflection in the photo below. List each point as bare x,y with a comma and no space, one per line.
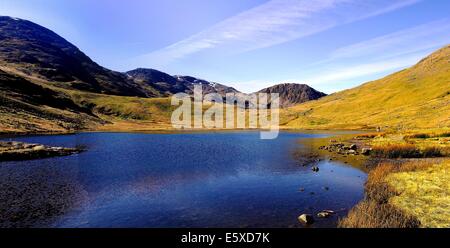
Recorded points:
178,180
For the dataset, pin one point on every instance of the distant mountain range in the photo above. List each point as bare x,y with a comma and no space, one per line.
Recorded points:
35,51
168,85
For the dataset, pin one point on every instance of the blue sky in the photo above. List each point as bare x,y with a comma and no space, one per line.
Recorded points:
329,44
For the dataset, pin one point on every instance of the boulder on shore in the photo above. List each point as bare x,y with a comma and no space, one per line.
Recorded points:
366,151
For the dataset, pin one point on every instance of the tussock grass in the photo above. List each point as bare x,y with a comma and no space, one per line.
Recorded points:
427,135
377,209
369,136
396,151
393,151
370,214
433,152
424,194
418,136
443,135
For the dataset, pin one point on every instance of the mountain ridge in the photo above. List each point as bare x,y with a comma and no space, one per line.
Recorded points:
168,84
38,51
40,94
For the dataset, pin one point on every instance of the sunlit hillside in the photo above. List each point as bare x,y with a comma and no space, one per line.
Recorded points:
418,97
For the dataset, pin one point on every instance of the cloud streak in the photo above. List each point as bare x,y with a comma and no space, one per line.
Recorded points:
273,23
426,36
383,54
356,71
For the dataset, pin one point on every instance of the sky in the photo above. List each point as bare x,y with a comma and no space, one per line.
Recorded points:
330,45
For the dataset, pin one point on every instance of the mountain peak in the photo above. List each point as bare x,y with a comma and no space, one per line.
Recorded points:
292,93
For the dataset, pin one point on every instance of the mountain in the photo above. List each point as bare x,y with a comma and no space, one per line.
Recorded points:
292,94
48,85
418,97
168,85
35,51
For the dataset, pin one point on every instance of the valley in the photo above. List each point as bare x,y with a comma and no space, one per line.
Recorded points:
49,86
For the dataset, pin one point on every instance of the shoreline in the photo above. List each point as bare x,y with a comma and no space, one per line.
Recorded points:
388,192
21,151
4,134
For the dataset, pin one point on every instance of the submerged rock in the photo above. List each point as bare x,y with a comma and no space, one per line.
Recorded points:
325,214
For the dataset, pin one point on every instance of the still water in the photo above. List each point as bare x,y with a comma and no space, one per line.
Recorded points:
225,179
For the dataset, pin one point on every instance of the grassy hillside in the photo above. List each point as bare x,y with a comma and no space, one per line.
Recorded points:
415,98
418,97
30,107
127,113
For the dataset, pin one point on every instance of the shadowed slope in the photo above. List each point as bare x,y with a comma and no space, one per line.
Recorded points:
37,51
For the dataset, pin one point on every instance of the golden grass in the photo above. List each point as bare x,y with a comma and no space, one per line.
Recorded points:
408,151
369,136
429,141
370,214
424,194
402,195
417,97
396,151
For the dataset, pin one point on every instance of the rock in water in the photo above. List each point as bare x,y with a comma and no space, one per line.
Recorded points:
315,169
39,148
323,215
306,219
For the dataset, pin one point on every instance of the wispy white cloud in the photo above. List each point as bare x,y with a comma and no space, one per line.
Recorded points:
426,36
378,56
275,22
334,77
351,72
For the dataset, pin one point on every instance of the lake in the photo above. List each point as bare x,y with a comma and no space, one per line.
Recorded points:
229,179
